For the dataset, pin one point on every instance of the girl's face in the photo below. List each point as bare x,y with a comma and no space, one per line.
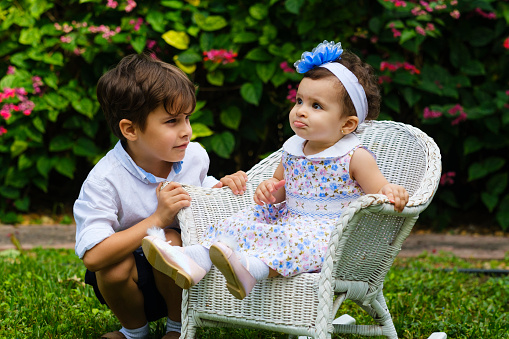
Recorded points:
318,115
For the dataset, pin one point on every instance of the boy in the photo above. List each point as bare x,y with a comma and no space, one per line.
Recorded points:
147,104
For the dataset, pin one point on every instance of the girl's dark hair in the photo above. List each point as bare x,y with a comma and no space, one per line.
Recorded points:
366,76
137,86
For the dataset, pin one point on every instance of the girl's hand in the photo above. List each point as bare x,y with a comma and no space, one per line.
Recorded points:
397,195
236,182
170,200
264,193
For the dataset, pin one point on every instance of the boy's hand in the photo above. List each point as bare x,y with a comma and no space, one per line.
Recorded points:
397,195
264,191
236,182
170,200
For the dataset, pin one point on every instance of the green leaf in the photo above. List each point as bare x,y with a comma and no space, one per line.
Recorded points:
200,130
481,169
84,106
223,144
173,4
473,67
51,80
489,200
471,145
215,78
265,70
503,213
85,147
210,23
245,37
278,79
496,184
293,6
9,192
43,165
139,43
392,101
231,117
42,183
251,93
18,147
30,36
406,35
157,20
375,24
22,204
411,96
258,11
189,57
56,58
24,162
258,54
448,198
55,100
65,166
480,36
60,143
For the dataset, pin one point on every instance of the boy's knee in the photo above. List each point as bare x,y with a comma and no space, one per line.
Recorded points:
119,273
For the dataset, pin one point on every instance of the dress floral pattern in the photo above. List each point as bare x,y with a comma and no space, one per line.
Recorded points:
292,237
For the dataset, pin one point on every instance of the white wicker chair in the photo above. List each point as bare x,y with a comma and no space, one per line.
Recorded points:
368,237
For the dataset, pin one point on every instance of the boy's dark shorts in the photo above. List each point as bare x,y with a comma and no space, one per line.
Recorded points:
155,307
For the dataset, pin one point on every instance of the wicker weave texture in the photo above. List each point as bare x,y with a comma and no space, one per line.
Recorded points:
361,250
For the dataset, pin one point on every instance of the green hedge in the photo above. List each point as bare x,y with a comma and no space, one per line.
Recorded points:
441,64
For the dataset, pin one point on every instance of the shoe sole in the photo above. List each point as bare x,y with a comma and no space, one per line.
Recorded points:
156,258
220,260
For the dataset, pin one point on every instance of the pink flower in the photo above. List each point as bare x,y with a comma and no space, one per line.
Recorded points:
220,56
5,112
112,4
454,2
395,32
384,79
455,14
418,11
65,39
456,108
2,130
447,178
292,93
429,114
374,39
37,84
151,43
130,5
137,23
486,15
506,43
420,30
11,69
460,118
286,69
430,26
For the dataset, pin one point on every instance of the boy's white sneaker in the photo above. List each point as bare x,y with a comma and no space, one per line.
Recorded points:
171,261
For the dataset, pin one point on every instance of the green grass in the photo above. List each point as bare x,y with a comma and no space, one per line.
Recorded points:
42,295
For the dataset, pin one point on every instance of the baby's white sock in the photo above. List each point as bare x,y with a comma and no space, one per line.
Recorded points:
200,255
173,326
136,333
258,269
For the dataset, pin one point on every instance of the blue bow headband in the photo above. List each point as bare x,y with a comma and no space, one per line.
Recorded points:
324,55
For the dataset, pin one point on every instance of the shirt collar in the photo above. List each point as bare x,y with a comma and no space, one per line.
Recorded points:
125,159
295,146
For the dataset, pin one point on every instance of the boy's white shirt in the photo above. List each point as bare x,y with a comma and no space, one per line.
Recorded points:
118,194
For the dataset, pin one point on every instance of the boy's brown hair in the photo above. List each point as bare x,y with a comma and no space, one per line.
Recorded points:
137,86
366,76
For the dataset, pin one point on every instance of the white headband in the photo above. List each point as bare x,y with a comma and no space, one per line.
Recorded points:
352,86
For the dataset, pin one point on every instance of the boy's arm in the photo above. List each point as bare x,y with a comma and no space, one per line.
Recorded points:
119,245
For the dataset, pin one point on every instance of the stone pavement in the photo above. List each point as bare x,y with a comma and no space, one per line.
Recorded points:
463,246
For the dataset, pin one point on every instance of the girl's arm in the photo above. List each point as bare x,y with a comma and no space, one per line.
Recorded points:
365,171
271,191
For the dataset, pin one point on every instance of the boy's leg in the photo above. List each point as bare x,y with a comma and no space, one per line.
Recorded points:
118,286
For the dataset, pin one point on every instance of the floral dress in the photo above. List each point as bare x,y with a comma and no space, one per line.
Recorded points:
292,237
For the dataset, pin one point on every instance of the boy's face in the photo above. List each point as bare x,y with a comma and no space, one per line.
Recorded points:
165,138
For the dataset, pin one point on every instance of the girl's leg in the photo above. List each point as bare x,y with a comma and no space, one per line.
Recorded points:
173,261
241,274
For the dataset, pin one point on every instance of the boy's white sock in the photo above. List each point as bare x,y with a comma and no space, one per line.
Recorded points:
173,326
200,255
136,333
258,269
